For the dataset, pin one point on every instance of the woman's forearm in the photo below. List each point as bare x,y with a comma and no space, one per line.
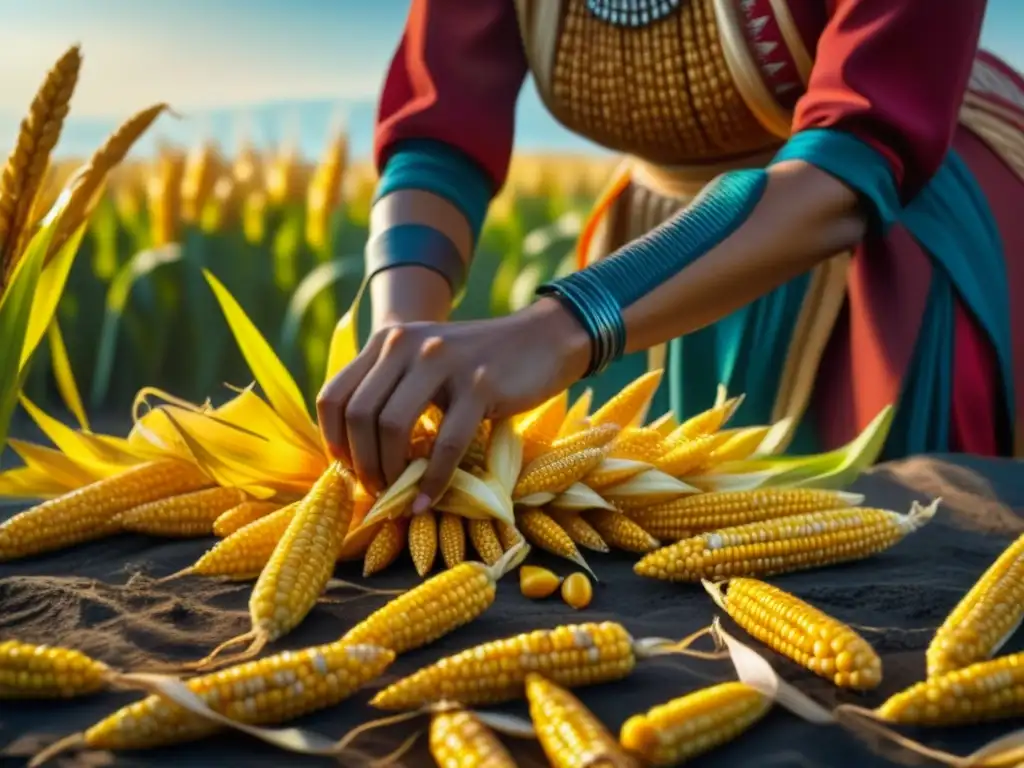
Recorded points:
804,216
409,294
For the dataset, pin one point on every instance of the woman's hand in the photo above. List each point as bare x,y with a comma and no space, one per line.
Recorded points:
472,370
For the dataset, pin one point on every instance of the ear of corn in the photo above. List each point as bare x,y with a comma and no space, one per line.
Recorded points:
436,607
981,692
985,618
508,535
485,540
423,541
576,417
580,531
184,516
577,591
537,583
686,456
639,444
92,512
452,539
621,532
569,733
572,655
43,672
689,515
801,632
241,515
665,424
302,562
542,531
539,427
274,689
386,546
707,422
244,553
556,472
459,739
681,729
785,544
629,406
596,436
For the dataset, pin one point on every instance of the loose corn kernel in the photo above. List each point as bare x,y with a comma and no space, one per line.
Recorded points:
423,541
542,531
985,618
439,605
187,515
452,538
687,516
569,733
982,692
43,672
93,511
385,547
554,472
241,515
244,553
495,672
786,544
580,531
271,690
537,583
630,405
577,591
681,729
485,540
621,532
801,632
459,740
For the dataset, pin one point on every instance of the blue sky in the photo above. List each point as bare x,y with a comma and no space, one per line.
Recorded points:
214,54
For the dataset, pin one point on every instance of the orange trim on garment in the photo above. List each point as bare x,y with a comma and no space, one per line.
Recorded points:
611,193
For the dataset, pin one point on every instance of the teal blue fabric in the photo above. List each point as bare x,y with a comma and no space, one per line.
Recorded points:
950,218
442,169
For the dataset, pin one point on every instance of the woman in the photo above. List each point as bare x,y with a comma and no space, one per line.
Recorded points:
819,208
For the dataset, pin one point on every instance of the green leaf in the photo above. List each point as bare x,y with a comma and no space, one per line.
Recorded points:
140,265
319,279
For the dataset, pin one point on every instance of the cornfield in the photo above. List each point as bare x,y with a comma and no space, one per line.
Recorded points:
285,235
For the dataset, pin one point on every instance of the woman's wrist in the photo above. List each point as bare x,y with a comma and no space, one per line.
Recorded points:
409,294
550,318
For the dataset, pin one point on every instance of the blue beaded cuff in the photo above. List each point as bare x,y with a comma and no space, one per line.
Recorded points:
598,294
419,245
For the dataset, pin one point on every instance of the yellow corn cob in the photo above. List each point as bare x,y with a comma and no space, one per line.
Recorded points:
508,535
665,424
785,544
554,472
539,427
580,531
244,553
638,444
452,538
621,532
686,456
459,740
985,618
597,436
93,511
690,515
569,733
485,540
739,444
438,606
576,417
988,690
577,591
630,405
43,672
572,655
302,562
241,515
424,432
708,422
681,729
611,472
385,547
185,516
423,541
537,583
476,454
542,531
801,632
271,690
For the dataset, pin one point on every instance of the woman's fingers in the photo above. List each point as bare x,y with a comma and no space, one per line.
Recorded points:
334,397
453,439
398,417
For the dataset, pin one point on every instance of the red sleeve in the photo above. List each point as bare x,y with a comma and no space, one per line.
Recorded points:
455,78
893,73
